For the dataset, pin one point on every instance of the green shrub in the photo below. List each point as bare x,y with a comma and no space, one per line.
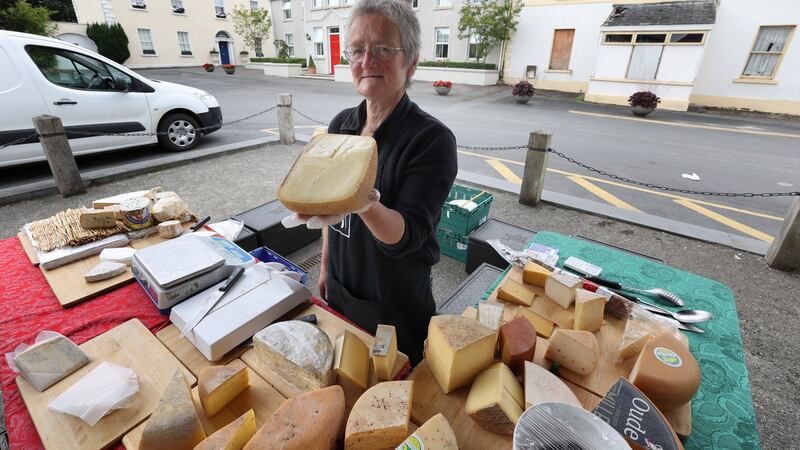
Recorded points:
343,61
21,16
300,61
458,65
111,40
311,62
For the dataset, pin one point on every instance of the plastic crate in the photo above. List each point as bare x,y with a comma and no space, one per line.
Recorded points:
264,254
461,220
452,244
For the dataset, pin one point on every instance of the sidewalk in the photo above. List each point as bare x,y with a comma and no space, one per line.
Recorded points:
232,183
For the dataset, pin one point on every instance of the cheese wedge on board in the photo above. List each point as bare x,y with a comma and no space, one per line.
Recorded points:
174,420
232,436
542,386
589,309
666,372
380,417
517,343
496,399
561,287
351,360
435,434
576,350
218,385
534,274
490,314
385,339
514,292
458,349
544,327
48,362
105,270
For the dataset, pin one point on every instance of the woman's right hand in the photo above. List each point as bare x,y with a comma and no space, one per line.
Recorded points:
322,284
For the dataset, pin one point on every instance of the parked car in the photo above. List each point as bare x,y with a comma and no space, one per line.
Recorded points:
91,93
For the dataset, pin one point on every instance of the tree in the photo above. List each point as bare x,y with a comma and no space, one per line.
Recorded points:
62,10
282,48
491,22
111,40
252,24
21,16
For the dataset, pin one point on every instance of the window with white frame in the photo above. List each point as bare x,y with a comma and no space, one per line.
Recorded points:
138,4
289,43
146,41
415,4
472,45
257,48
444,3
332,2
767,52
253,5
177,6
316,3
319,47
287,10
442,35
219,8
183,42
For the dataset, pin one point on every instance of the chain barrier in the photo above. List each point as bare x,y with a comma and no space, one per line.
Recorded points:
18,141
309,118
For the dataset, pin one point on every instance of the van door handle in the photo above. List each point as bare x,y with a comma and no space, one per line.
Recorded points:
65,101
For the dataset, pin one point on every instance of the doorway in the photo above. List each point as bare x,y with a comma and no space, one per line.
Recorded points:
333,34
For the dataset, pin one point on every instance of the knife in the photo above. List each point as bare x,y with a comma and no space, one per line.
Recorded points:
212,300
197,226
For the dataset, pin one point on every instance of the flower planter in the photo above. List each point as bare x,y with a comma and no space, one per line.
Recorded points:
442,90
522,98
229,71
641,111
209,68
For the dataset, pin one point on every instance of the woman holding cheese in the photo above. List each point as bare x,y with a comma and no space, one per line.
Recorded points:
376,263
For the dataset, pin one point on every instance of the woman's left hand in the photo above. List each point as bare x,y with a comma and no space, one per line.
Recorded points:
317,222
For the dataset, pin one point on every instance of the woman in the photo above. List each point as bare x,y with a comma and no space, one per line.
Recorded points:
376,263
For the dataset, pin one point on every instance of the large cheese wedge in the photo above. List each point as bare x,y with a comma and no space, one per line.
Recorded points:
638,333
514,292
385,342
218,385
496,399
458,349
561,287
299,352
334,174
47,362
666,372
97,218
174,422
380,417
434,434
589,308
517,343
105,270
544,327
351,359
490,314
534,274
232,436
309,421
575,350
542,386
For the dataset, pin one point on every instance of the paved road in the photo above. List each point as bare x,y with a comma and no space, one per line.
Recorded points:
730,153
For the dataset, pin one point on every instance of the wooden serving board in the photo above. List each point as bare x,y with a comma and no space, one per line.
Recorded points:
130,345
187,353
28,247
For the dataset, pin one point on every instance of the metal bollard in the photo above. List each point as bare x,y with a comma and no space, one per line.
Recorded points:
285,119
784,253
535,167
59,155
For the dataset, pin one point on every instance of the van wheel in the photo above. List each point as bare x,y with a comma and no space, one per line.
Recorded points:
178,132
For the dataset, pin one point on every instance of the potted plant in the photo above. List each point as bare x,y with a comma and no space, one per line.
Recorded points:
312,69
229,68
643,102
522,92
442,87
343,61
209,67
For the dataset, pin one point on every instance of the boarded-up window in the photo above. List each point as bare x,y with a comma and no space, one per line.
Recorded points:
644,62
562,49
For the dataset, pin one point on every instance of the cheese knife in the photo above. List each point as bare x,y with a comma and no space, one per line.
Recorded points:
212,300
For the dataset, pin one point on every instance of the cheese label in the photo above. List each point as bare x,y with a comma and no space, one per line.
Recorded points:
413,442
383,339
667,356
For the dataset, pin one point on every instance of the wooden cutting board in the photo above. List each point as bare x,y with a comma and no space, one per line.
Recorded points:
28,247
130,345
187,353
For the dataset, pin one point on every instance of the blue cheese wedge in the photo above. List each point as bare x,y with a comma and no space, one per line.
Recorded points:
49,361
104,271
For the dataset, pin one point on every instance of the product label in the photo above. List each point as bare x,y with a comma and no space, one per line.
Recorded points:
413,442
668,357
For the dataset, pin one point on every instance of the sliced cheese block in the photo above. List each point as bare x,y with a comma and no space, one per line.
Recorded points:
575,350
352,359
218,385
304,422
299,352
543,386
458,349
666,372
48,362
174,420
385,342
638,333
232,436
104,271
380,417
490,314
97,218
119,255
589,308
561,287
334,174
170,229
543,326
534,274
496,399
435,434
513,292
517,343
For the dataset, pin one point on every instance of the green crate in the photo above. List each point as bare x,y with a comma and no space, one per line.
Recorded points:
461,220
452,244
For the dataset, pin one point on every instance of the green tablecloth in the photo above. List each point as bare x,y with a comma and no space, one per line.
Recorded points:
723,416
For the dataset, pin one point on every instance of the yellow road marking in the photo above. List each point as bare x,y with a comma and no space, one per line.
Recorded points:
636,188
738,226
504,171
691,125
602,193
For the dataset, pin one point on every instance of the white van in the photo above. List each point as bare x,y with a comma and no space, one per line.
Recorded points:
90,93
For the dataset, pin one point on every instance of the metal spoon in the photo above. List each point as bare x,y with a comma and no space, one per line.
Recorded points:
684,315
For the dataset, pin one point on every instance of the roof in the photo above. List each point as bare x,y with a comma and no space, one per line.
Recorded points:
689,12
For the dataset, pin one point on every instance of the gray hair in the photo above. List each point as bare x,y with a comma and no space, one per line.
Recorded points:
398,12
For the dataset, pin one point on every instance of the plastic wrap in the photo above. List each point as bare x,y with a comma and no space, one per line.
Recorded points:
50,359
642,325
229,229
562,426
169,206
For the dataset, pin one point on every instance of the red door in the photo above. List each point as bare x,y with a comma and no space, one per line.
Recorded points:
335,57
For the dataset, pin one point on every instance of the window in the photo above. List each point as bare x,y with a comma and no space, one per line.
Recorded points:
442,42
686,38
415,4
644,62
253,5
562,49
289,43
219,9
177,6
138,4
472,45
767,52
257,48
146,41
319,47
444,3
287,10
659,38
316,3
76,71
183,42
672,38
618,38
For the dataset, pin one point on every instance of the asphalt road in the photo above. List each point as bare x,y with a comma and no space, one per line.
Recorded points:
730,153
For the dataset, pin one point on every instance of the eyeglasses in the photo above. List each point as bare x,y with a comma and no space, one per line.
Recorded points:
379,52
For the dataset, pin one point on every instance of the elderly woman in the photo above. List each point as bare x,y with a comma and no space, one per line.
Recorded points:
376,264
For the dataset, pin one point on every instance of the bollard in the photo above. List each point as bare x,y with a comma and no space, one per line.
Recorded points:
784,253
285,120
535,166
59,155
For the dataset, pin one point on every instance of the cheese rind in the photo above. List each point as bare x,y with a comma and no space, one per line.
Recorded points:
534,274
496,399
309,421
560,288
385,335
104,270
513,292
517,343
575,350
119,255
543,326
589,309
48,362
666,372
218,385
380,417
97,218
543,386
232,436
458,349
351,359
174,420
490,314
638,333
170,229
434,434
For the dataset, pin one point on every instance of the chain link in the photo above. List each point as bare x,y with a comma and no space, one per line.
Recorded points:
475,147
309,118
18,141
